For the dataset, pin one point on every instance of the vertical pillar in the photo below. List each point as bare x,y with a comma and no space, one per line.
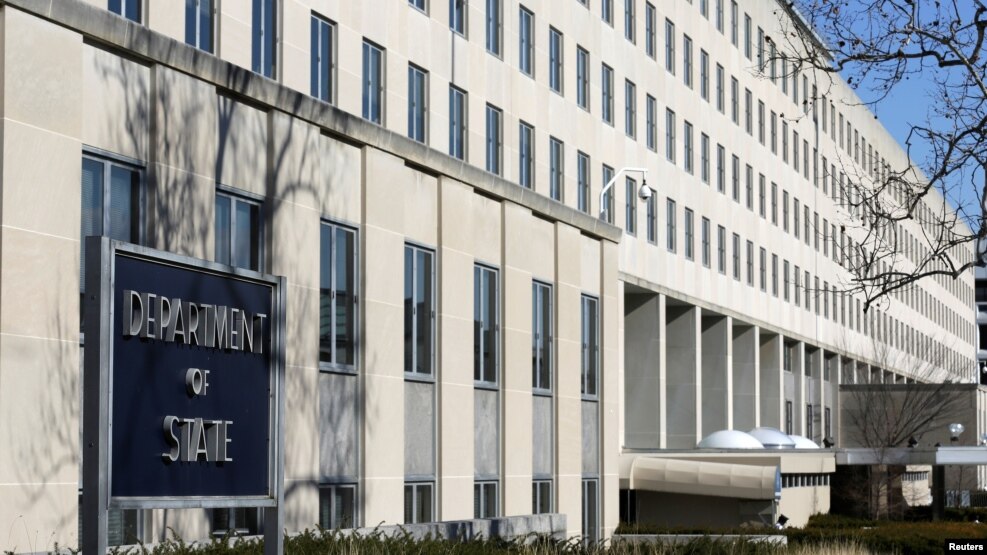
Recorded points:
644,352
745,377
716,397
772,403
683,376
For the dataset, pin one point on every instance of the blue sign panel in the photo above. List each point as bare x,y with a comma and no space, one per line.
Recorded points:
191,381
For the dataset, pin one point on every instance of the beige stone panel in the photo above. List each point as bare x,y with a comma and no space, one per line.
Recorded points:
456,293
167,17
339,189
609,502
349,70
234,33
182,219
421,206
39,411
383,345
456,501
296,243
38,517
301,445
458,209
42,78
297,160
517,495
570,501
517,357
384,427
386,189
183,523
383,500
569,315
517,433
589,275
297,43
242,146
517,234
39,285
569,262
486,224
41,177
303,327
456,350
383,276
187,121
301,505
569,411
517,302
116,93
540,251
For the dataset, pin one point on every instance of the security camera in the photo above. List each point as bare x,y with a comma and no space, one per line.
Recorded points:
644,193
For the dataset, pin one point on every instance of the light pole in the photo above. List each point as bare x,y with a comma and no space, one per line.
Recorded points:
644,193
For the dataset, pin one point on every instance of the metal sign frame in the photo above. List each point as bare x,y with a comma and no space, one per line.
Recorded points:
100,317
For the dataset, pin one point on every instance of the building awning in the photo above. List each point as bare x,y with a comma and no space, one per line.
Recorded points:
737,481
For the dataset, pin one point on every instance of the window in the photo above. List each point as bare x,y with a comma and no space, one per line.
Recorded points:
591,512
750,263
542,336
457,123
720,93
774,203
264,51
337,506
238,232
719,16
486,324
243,520
606,211
670,135
805,209
784,141
418,104
526,37
788,415
749,187
764,270
323,57
130,9
784,210
797,289
582,181
541,497
704,158
112,201
420,4
795,218
760,50
373,83
808,421
687,60
670,224
760,122
774,132
555,60
495,139
736,257
555,182
590,347
747,36
670,46
494,17
735,100
199,25
582,78
689,237
705,240
629,20
785,280
649,30
485,499
630,208
418,502
827,423
606,7
338,297
457,16
630,109
526,137
762,196
419,311
652,220
651,111
704,75
734,23
721,168
606,86
721,249
774,275
749,112
688,148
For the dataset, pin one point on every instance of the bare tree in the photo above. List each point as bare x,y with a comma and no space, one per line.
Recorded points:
877,46
882,414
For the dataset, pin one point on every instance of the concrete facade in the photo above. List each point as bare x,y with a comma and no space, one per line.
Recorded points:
694,335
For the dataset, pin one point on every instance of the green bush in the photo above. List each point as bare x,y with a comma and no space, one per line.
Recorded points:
886,537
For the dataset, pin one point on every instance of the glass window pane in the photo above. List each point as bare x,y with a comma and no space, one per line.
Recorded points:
123,209
477,324
490,343
222,230
343,505
546,333
423,298
325,296
345,302
409,504
205,25
409,308
92,208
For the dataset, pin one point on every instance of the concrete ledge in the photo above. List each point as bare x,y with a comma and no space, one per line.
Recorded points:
678,539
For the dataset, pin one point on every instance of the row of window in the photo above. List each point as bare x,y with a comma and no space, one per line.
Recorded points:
811,416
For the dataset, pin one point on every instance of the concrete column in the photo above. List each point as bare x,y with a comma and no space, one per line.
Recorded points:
716,397
683,351
772,403
814,392
746,359
797,393
644,369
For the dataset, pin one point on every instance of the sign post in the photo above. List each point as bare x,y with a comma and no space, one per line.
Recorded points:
183,389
